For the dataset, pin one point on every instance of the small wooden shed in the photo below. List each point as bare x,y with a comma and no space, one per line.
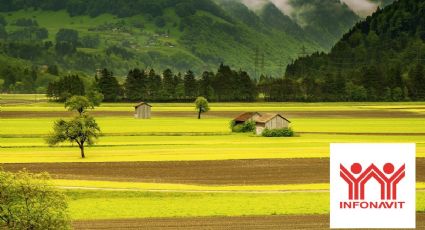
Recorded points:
270,121
142,111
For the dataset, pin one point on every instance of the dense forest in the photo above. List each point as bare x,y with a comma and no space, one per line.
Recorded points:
224,85
380,59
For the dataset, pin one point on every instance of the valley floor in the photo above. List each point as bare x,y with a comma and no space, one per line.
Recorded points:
176,172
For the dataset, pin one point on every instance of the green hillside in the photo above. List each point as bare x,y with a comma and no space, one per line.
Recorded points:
195,36
380,59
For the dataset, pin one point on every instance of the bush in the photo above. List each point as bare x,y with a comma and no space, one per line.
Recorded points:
285,132
29,201
246,127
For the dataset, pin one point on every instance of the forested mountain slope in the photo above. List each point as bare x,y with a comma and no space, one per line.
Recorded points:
380,58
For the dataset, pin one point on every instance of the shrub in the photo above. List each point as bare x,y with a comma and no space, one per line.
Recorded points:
285,132
246,127
29,201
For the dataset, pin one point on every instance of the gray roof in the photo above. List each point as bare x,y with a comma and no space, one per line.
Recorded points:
142,103
265,117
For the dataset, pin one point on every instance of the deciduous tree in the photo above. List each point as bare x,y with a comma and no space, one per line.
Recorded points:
202,106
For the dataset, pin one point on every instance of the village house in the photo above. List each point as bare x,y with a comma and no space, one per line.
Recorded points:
263,121
142,111
270,121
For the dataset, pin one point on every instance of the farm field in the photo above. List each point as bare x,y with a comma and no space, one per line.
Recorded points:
289,222
175,169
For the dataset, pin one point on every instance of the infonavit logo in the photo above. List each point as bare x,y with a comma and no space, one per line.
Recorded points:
372,186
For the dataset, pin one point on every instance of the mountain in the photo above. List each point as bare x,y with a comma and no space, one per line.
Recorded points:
181,35
57,36
380,59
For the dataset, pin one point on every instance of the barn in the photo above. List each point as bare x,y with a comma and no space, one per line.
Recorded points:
270,121
142,111
246,117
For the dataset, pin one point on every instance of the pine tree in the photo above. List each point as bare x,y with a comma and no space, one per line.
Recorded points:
169,87
109,86
190,86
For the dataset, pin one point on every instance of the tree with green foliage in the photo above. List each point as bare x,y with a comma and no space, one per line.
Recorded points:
67,35
65,88
9,76
169,86
3,21
94,95
136,85
109,86
30,201
79,104
417,77
190,86
185,9
205,84
82,130
160,22
154,85
3,33
201,105
66,41
53,69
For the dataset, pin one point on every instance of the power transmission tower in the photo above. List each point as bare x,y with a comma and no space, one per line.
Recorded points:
303,52
256,61
281,67
262,63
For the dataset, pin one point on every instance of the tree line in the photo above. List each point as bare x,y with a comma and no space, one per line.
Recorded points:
148,85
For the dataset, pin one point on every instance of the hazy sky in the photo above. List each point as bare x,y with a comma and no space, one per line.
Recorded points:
361,7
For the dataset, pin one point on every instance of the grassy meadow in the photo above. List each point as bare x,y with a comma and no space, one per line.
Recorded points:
174,134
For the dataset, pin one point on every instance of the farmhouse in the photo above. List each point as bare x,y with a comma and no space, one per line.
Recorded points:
246,117
142,111
270,121
263,121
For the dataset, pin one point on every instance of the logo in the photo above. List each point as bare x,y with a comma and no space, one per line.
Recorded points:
372,185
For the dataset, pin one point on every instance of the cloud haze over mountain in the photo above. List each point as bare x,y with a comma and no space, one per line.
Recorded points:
283,5
361,7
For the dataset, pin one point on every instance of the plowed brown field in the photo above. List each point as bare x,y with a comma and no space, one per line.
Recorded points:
258,172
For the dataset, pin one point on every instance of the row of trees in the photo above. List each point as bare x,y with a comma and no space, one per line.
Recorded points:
369,83
224,85
229,85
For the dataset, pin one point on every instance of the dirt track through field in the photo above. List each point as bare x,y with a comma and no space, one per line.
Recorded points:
315,222
225,114
227,172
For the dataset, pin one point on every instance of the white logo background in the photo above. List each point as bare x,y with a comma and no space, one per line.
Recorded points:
378,154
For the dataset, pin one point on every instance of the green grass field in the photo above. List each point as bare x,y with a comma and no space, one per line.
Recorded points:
188,147
116,205
181,138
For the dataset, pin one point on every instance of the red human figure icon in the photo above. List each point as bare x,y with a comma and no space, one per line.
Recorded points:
391,181
354,190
